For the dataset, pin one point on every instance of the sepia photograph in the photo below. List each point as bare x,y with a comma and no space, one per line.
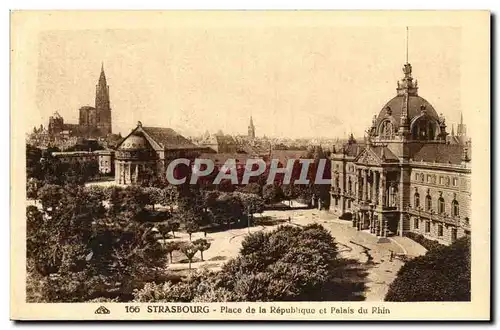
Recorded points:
250,165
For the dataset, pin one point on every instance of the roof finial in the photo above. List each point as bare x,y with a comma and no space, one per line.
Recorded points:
102,66
407,41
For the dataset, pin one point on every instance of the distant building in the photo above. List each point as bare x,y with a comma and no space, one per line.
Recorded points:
220,143
408,177
104,158
251,129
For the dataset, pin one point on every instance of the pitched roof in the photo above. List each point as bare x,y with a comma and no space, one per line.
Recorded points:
384,153
439,153
221,158
353,149
227,139
168,138
284,155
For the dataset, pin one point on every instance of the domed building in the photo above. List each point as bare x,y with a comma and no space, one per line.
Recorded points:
147,151
406,177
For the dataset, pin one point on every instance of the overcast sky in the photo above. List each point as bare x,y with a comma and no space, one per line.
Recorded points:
295,82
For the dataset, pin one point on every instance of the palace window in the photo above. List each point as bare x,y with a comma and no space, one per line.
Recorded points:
448,181
441,205
428,178
422,178
417,200
434,179
441,180
415,223
416,176
428,203
348,203
455,208
455,182
427,226
349,186
440,230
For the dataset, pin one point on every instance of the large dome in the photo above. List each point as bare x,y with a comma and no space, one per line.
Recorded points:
416,105
134,142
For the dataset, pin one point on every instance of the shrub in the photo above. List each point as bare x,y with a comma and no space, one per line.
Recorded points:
425,242
346,216
442,274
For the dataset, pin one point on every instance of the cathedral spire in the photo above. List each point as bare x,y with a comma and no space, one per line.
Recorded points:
251,129
102,104
102,77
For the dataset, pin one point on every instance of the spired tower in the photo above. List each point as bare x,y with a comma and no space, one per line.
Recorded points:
251,129
102,106
462,130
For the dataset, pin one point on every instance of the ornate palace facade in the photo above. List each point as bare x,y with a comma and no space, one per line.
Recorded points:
406,176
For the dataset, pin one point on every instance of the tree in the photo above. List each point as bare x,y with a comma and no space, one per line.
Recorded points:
32,187
33,164
442,274
272,193
191,227
289,192
251,188
164,229
154,196
189,251
170,247
174,227
202,245
227,208
50,196
77,250
169,195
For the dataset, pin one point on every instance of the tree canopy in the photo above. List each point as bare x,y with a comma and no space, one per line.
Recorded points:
442,274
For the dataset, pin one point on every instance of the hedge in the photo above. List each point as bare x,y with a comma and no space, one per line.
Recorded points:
429,244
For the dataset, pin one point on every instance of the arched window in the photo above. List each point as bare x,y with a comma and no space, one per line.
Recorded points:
349,186
455,208
441,205
386,129
416,200
428,203
423,129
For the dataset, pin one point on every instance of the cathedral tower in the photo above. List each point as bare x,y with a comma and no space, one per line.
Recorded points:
102,106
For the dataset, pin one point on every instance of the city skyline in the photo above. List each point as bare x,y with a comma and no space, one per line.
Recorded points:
213,79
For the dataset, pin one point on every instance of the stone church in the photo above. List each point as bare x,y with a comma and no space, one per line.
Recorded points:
406,176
